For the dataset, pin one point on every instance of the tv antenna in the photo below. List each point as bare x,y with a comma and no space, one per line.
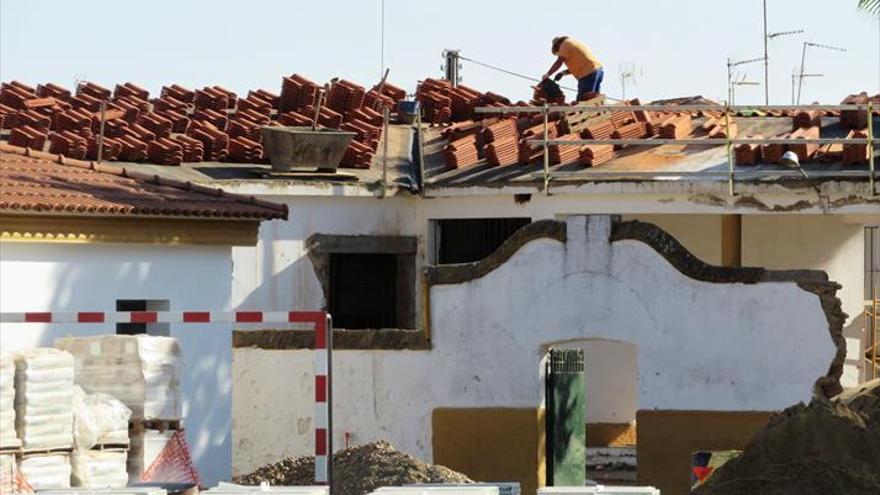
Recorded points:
767,37
795,77
628,72
802,74
730,80
741,81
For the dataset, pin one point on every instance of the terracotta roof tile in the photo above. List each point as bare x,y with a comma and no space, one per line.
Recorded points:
33,182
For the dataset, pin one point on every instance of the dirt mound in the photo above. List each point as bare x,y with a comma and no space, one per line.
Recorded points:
357,470
828,447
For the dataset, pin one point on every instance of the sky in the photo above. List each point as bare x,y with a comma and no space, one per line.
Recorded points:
674,47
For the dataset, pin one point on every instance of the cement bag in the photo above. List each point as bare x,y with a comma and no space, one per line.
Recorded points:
44,398
8,437
42,358
46,471
98,469
98,419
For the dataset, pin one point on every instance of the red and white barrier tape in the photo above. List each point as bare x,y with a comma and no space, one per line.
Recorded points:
323,349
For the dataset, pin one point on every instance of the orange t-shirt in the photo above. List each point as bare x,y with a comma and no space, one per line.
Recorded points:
578,58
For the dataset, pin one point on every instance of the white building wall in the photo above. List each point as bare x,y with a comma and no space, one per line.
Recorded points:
700,346
91,277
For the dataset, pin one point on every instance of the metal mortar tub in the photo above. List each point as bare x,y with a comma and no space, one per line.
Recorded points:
304,148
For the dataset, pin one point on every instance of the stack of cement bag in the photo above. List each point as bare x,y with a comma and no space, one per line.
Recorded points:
44,398
100,441
44,415
142,371
8,438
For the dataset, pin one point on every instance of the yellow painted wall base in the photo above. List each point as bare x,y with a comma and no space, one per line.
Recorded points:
668,439
492,444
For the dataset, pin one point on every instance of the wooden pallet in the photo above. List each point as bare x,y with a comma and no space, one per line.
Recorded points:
139,425
112,446
45,450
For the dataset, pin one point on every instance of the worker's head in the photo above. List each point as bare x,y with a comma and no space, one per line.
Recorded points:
557,42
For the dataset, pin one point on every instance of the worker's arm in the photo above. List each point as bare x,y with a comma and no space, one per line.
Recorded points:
553,68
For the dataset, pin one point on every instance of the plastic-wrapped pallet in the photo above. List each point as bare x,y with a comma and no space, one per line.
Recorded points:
44,398
146,445
46,470
99,468
141,371
8,438
99,419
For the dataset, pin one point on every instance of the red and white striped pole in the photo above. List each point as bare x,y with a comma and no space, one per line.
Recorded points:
323,348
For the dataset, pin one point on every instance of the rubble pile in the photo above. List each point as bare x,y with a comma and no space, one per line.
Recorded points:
828,446
357,471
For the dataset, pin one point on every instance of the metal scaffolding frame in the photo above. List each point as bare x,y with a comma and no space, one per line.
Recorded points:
729,112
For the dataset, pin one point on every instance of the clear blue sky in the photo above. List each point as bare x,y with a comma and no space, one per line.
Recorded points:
680,46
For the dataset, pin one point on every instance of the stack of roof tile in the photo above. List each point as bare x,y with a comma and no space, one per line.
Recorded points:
28,137
392,91
254,116
7,116
503,129
133,149
193,149
676,127
179,120
44,105
14,94
602,129
131,90
68,144
855,119
807,150
855,154
530,153
464,100
595,154
84,101
326,116
242,126
93,90
165,151
294,119
432,95
772,153
72,120
214,140
357,155
178,93
365,114
297,92
503,151
217,119
560,153
33,119
462,152
807,118
53,90
140,132
112,128
157,124
212,98
364,132
242,149
261,94
166,102
749,153
255,104
376,101
111,148
633,130
131,108
620,118
345,96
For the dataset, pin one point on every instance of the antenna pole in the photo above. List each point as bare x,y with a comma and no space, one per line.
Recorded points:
766,61
801,76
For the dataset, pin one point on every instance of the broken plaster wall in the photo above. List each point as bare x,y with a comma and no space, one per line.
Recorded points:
702,345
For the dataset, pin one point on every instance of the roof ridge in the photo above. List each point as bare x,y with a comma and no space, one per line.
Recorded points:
141,176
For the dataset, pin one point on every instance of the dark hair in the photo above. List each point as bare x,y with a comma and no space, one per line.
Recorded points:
557,42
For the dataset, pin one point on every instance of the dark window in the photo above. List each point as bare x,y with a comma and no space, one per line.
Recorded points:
159,329
472,239
363,290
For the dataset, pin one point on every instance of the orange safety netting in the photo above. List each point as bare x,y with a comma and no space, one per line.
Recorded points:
174,464
13,482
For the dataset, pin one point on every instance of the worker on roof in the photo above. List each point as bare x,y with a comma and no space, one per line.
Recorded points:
579,62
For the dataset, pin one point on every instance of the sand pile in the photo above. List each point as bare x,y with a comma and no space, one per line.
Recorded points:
357,470
827,447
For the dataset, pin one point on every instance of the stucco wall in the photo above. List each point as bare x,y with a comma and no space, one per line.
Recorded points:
701,346
82,277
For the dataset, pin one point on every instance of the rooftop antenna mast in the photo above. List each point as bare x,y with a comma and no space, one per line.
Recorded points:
730,81
628,72
808,44
452,66
767,38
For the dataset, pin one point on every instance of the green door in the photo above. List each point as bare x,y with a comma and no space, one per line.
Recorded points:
566,418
